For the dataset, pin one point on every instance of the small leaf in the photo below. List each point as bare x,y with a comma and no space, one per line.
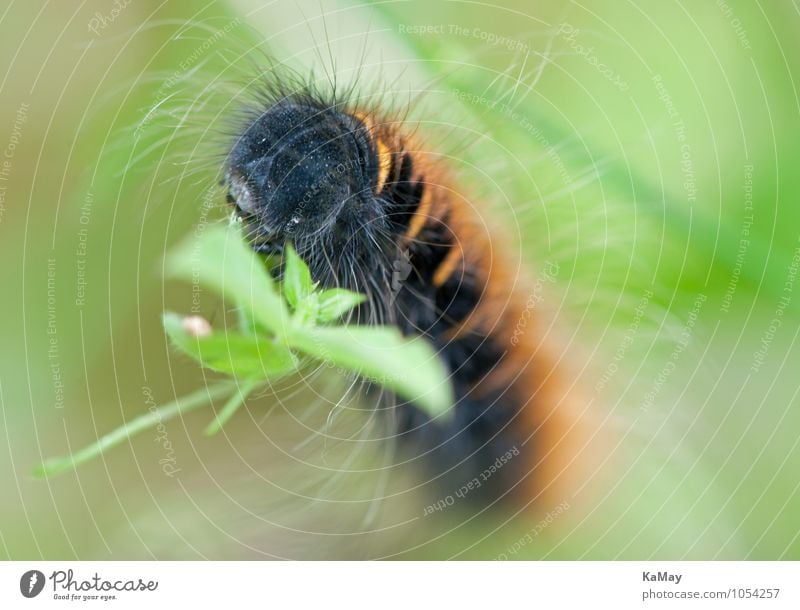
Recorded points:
239,355
220,260
407,366
336,302
297,283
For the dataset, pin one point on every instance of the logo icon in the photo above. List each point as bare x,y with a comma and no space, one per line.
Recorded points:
401,269
31,583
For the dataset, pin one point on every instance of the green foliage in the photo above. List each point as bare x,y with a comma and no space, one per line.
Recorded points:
408,366
279,332
152,418
228,267
297,285
242,356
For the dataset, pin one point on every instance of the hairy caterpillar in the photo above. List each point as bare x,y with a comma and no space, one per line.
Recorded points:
372,211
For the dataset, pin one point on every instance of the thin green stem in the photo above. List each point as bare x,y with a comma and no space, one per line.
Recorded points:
152,418
233,404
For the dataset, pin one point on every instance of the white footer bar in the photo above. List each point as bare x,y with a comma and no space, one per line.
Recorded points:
406,585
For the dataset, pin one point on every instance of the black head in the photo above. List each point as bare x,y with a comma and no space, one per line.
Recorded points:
303,169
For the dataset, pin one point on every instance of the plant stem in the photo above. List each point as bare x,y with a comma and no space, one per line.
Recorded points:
233,404
152,418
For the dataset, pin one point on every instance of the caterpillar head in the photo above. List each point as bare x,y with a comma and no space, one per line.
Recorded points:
303,171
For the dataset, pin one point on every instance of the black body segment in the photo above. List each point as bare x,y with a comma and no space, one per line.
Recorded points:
347,197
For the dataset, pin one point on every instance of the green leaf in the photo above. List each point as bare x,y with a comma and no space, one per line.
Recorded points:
242,356
150,419
297,285
336,302
220,260
407,366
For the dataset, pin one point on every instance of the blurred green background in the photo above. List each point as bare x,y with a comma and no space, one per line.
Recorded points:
649,149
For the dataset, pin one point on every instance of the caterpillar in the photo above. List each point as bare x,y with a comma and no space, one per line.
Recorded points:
371,210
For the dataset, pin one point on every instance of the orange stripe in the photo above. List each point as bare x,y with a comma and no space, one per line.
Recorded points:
447,266
420,216
384,152
384,163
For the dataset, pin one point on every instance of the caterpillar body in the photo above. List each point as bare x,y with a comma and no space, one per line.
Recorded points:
372,211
